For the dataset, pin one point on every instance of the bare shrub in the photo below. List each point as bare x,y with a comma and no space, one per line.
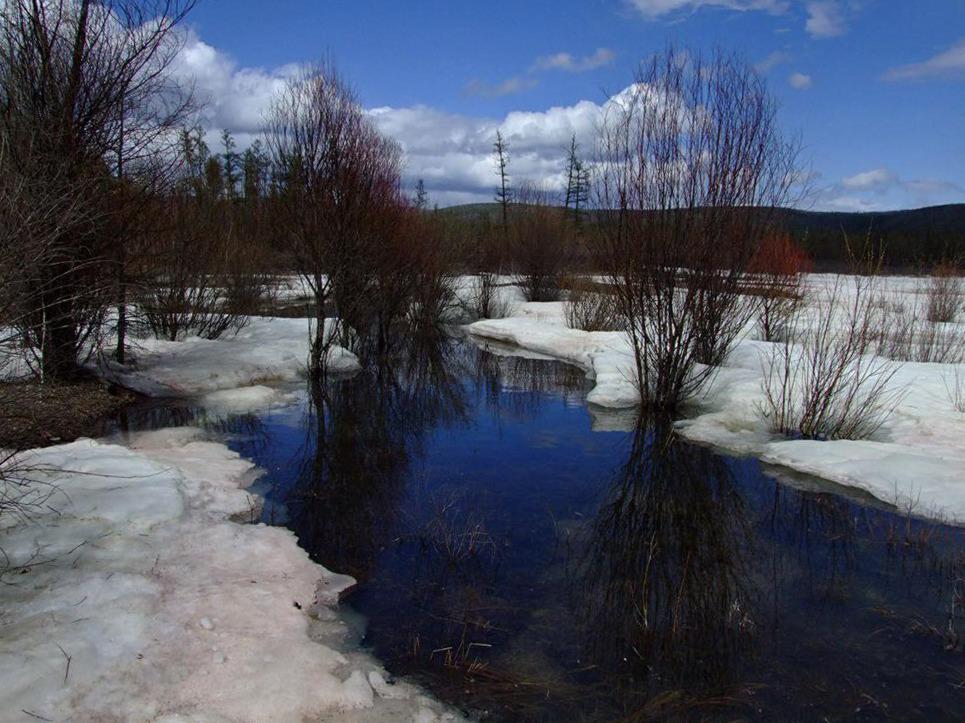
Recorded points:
829,384
199,274
777,280
946,292
692,166
540,241
484,300
907,333
339,195
591,309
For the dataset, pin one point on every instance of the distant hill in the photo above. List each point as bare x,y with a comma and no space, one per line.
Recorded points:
911,237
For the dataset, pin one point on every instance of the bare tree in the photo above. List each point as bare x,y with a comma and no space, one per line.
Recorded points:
339,199
692,166
86,100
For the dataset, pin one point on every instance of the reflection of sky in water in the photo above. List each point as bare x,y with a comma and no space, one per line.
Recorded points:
518,561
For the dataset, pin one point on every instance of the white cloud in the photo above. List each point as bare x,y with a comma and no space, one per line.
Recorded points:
233,98
868,180
800,81
825,19
510,86
570,64
778,57
653,9
948,63
452,153
881,189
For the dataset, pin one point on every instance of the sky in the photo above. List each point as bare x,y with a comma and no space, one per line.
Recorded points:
875,89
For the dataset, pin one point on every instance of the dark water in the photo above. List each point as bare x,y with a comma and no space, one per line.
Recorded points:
526,567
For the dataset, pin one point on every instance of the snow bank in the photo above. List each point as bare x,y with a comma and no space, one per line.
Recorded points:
266,350
916,460
138,600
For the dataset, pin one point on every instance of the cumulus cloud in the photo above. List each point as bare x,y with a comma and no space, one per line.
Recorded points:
570,64
452,153
948,63
234,98
825,19
800,81
653,9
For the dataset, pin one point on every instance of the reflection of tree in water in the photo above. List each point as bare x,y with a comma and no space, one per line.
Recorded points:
666,594
361,435
519,386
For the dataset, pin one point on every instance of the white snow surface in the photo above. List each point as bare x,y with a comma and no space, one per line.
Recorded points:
266,350
133,597
915,461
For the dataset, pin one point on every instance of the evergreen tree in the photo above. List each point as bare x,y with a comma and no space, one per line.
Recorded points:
255,171
577,182
230,159
421,196
503,191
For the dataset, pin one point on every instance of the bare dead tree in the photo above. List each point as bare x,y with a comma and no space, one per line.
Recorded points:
85,93
692,165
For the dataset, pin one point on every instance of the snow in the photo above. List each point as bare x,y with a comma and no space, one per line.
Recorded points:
266,350
915,461
139,599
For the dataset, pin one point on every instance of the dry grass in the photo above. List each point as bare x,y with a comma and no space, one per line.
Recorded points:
955,388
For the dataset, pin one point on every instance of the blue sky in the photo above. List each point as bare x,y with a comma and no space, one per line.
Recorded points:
876,88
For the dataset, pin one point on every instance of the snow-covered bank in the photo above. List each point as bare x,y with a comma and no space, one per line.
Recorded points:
132,597
916,460
266,350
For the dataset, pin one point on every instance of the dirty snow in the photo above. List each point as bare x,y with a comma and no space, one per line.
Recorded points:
267,350
132,596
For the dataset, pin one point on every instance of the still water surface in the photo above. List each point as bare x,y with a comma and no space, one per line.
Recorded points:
525,563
